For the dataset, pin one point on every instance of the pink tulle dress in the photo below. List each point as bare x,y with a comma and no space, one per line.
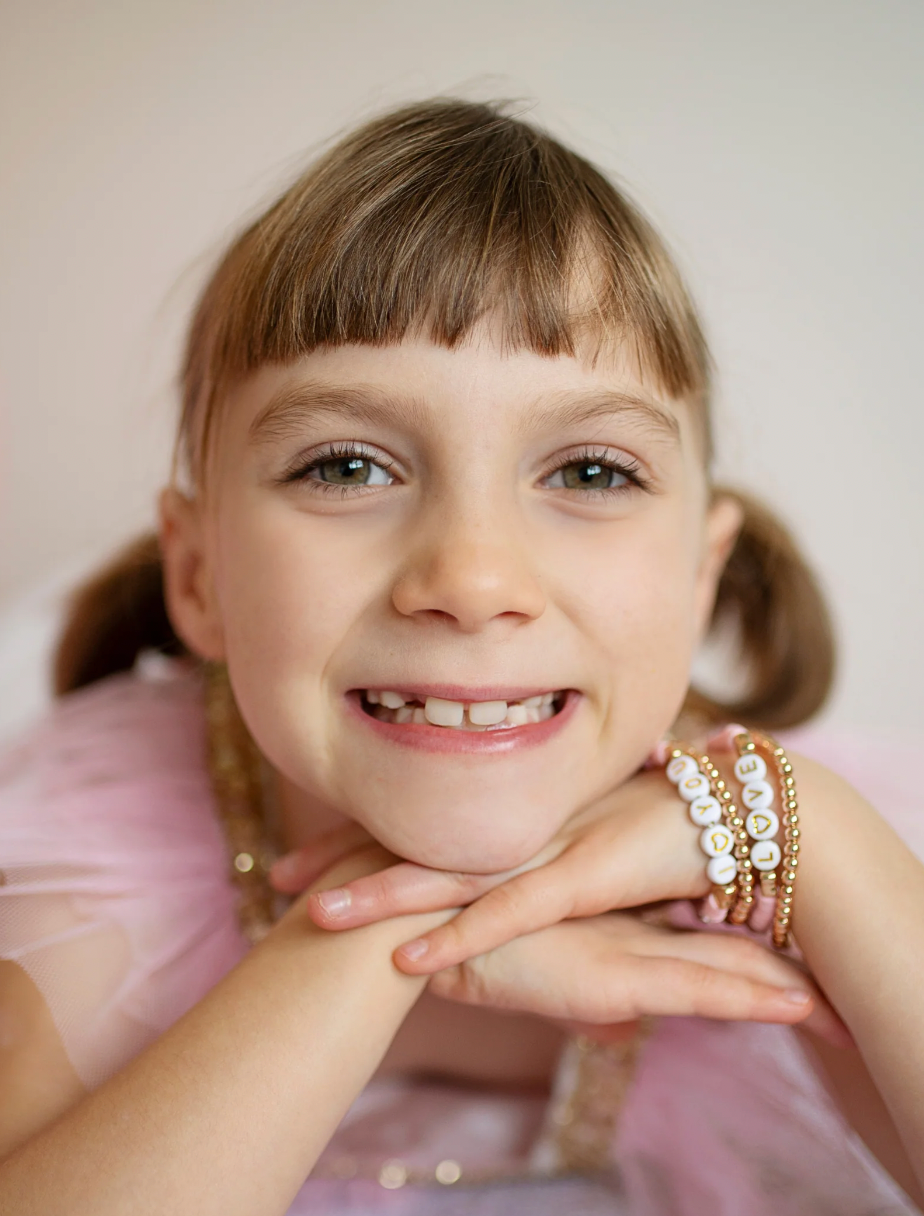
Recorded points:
115,899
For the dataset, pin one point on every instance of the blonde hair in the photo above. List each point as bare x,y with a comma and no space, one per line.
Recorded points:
427,220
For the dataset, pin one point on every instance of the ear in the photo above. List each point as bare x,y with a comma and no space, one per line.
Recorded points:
189,592
723,523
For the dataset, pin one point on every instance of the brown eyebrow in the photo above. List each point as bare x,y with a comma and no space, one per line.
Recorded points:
286,411
570,409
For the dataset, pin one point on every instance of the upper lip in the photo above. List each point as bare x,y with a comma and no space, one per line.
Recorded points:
464,693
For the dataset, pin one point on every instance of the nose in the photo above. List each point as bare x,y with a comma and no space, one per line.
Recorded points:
469,573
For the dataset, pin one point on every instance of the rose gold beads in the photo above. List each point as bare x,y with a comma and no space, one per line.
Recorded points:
777,861
753,853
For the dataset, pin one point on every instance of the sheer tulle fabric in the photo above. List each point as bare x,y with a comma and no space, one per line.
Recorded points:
116,901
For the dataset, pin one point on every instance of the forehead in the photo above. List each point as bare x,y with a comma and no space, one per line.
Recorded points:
416,384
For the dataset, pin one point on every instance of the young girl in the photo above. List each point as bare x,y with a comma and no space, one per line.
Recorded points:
438,551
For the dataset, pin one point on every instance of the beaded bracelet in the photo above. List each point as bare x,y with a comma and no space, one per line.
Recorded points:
744,896
709,801
763,824
755,848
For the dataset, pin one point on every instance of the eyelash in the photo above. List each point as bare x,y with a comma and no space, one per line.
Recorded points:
334,451
626,467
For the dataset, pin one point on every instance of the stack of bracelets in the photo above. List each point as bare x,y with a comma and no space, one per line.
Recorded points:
753,876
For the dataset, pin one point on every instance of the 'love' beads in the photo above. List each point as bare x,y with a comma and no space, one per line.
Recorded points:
755,842
716,839
757,796
778,865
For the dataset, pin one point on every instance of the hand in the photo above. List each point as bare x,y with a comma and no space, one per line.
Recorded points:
598,974
633,847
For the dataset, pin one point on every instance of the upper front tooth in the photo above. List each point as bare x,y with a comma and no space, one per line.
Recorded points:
487,713
392,700
532,702
440,712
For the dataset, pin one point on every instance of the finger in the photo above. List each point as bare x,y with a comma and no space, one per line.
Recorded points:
679,987
295,871
396,891
745,957
524,904
624,988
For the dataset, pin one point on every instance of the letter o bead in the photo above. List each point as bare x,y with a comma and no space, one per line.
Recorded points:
705,811
716,841
694,786
680,767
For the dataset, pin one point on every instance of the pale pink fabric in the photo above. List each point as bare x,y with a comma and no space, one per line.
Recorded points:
116,901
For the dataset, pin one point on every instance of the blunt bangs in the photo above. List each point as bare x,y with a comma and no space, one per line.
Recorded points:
427,221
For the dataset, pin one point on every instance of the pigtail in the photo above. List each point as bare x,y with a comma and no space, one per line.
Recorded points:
772,602
111,618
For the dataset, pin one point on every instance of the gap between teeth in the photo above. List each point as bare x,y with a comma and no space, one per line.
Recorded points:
478,715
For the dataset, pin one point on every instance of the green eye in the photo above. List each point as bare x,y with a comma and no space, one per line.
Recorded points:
587,475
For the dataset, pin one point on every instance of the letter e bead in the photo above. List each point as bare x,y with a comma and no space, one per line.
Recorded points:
750,767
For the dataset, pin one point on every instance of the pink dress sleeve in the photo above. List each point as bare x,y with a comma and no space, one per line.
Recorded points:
114,894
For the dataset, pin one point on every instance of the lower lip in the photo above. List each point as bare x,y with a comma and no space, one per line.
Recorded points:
427,738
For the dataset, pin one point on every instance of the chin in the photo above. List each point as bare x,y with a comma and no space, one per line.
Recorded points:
464,839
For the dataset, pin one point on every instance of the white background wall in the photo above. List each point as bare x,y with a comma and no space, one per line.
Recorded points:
778,145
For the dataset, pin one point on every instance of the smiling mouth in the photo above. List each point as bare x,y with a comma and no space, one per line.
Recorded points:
403,709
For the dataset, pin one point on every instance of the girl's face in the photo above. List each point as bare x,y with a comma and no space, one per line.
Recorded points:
459,528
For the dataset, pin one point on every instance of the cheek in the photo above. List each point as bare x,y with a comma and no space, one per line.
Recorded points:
281,592
290,591
636,603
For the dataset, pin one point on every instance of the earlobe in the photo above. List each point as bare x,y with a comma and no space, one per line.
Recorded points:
723,523
188,589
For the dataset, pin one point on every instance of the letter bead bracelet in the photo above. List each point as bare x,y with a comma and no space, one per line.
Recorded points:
743,844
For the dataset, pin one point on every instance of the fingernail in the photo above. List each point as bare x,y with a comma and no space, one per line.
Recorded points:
336,901
796,996
416,949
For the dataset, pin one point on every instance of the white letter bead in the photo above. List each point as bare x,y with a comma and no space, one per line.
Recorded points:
705,811
716,841
762,825
694,786
680,767
757,795
750,767
766,854
722,870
